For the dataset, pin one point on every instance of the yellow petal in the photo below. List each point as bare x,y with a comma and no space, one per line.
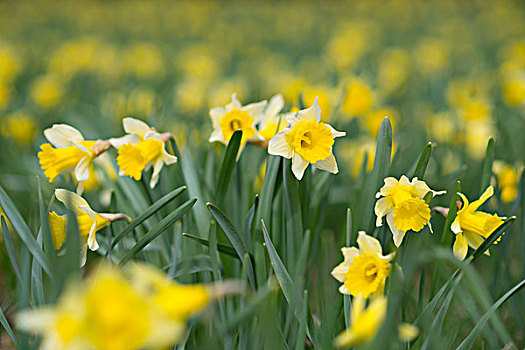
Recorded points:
460,247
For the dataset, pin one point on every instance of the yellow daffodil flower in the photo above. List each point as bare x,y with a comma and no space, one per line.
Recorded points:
68,151
234,116
364,270
142,148
19,126
46,91
272,119
471,226
403,205
364,322
307,141
507,181
89,221
358,99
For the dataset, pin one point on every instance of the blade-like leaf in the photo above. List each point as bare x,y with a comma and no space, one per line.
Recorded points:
486,172
421,166
169,220
446,237
7,327
229,161
220,247
23,231
148,212
10,249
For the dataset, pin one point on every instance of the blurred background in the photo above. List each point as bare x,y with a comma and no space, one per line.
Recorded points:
450,72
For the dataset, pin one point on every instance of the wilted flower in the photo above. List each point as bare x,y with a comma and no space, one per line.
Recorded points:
142,148
70,152
403,205
306,141
234,116
89,222
364,270
471,226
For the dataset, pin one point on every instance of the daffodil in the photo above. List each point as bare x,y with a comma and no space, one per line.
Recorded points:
364,322
142,148
364,269
358,98
89,222
307,141
507,176
68,151
404,206
471,226
234,116
272,122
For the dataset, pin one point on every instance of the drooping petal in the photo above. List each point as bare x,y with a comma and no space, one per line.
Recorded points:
299,165
455,227
82,169
383,206
422,188
312,113
279,146
398,235
369,244
71,200
460,247
63,135
131,139
157,167
135,126
486,195
329,164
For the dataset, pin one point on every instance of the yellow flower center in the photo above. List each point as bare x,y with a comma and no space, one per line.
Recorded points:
181,301
412,214
270,129
133,159
111,324
366,274
311,140
234,120
55,161
67,327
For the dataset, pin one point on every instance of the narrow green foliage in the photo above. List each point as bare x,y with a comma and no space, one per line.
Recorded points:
268,189
486,172
162,226
10,249
447,236
7,327
220,247
422,163
229,160
155,207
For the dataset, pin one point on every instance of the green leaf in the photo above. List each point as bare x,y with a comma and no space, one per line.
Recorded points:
23,231
447,235
421,166
379,172
235,240
486,172
468,342
7,327
229,160
49,247
10,249
148,212
487,243
220,247
162,226
301,332
268,189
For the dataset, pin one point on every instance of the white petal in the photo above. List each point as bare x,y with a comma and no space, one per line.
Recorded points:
398,235
135,126
274,106
63,135
71,200
292,119
153,135
299,165
383,206
278,146
390,183
234,104
168,158
334,132
343,290
82,169
256,110
131,139
455,227
157,167
460,247
217,135
312,113
329,164
216,115
369,244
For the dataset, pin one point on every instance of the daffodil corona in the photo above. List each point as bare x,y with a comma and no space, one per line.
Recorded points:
471,226
307,141
404,206
142,148
364,270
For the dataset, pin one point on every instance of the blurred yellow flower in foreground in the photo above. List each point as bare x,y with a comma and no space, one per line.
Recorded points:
307,141
135,308
46,91
142,148
234,116
358,98
403,205
88,221
364,270
364,322
471,226
67,151
19,126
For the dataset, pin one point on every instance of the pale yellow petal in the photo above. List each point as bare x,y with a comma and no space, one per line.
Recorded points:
369,244
460,247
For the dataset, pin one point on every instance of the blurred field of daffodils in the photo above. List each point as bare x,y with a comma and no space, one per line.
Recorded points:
119,133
